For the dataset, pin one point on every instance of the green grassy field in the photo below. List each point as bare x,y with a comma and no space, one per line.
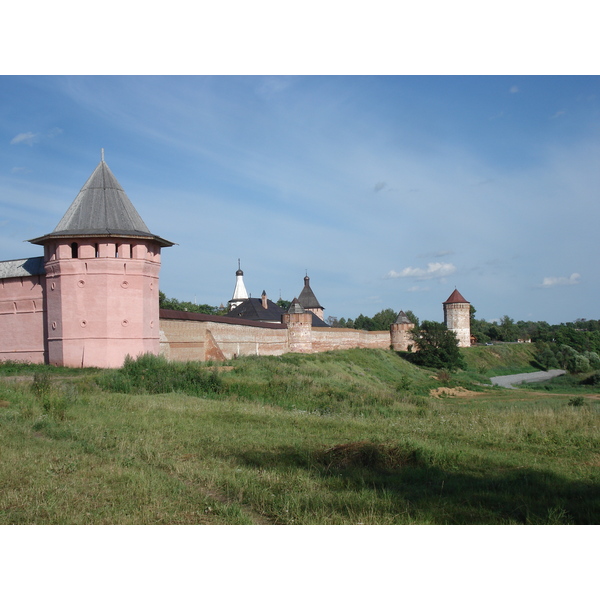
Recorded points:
357,436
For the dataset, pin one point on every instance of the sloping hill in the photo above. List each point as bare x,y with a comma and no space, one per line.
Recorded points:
501,359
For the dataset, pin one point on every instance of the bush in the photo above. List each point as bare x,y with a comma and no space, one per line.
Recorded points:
577,401
404,384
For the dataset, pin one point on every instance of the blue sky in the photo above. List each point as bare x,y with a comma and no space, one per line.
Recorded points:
389,190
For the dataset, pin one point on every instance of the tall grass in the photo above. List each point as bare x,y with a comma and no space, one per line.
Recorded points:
152,374
338,438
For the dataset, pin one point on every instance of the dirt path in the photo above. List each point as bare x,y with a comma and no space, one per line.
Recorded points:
508,381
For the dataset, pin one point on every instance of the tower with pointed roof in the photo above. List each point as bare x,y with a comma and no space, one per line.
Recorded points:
239,293
400,333
102,265
299,324
308,300
457,317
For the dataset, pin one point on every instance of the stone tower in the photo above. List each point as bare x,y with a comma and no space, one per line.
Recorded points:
457,317
309,301
102,266
299,324
239,293
400,333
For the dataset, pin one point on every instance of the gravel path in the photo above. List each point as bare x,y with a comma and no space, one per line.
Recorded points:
508,381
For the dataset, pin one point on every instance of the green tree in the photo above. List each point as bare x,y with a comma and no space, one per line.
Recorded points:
412,317
362,322
437,347
545,356
508,329
594,359
384,319
174,304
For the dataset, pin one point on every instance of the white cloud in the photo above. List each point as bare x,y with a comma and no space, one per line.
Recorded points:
31,138
554,281
25,138
514,90
17,170
558,113
433,271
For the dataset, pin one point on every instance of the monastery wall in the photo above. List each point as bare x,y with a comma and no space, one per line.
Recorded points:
194,336
23,319
333,338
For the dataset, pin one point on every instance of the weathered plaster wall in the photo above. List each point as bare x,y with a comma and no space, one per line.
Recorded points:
193,336
190,336
330,338
22,319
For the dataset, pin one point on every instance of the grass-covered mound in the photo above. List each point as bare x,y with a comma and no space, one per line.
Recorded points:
501,359
342,437
345,382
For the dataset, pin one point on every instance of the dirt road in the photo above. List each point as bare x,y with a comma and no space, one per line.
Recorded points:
508,381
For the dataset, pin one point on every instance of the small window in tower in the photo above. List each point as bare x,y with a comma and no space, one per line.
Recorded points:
96,250
74,250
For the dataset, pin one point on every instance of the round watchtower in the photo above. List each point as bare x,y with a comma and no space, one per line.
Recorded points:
457,317
400,333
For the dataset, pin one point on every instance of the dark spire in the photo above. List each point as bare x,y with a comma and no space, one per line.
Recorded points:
307,297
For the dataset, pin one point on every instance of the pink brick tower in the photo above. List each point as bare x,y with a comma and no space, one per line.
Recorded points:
457,317
102,266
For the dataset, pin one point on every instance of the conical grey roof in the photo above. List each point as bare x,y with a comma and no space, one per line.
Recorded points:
102,208
307,297
295,307
403,319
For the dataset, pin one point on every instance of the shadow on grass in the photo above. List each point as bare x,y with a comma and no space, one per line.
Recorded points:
459,495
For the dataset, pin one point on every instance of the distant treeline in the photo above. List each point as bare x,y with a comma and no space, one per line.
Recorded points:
380,321
582,335
174,304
